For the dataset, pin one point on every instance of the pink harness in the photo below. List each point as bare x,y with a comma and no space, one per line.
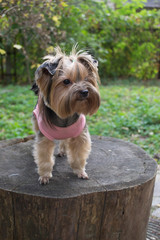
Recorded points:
53,132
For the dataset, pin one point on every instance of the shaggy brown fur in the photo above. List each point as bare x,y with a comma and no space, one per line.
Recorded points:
67,86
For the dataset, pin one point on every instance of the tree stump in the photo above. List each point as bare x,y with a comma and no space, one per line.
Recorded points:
114,204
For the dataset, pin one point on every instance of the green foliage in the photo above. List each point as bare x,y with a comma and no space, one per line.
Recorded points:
128,111
125,40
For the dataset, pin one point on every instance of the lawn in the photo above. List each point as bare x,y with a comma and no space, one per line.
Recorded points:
129,110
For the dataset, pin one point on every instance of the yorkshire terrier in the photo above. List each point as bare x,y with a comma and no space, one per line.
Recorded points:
67,89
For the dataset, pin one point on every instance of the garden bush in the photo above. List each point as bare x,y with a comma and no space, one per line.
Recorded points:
125,40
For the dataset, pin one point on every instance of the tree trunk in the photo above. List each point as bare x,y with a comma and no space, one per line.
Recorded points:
27,62
2,69
114,204
15,65
8,65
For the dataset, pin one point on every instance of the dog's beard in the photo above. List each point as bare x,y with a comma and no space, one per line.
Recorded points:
66,102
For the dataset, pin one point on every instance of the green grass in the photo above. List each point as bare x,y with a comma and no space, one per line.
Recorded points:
16,105
129,110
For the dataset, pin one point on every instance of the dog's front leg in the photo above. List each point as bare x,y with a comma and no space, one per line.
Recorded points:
44,158
78,150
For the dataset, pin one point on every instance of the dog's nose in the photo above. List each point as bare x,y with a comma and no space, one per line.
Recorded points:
84,93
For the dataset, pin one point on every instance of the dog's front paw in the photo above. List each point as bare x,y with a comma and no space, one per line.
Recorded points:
43,180
81,174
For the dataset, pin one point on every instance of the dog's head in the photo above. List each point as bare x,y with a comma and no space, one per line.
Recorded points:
68,84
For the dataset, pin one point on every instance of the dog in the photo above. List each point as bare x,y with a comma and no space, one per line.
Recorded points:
67,89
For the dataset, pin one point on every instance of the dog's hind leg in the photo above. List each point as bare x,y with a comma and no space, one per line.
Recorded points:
78,150
62,148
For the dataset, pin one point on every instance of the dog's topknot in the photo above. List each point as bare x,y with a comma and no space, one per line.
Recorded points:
81,56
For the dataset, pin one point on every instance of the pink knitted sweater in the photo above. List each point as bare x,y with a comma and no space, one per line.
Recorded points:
53,132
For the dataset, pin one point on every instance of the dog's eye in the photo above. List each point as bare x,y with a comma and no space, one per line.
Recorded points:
66,81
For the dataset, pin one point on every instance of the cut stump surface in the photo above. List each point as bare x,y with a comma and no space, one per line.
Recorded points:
114,204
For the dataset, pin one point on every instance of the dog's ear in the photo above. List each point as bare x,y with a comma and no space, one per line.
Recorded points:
44,74
89,62
48,68
86,59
